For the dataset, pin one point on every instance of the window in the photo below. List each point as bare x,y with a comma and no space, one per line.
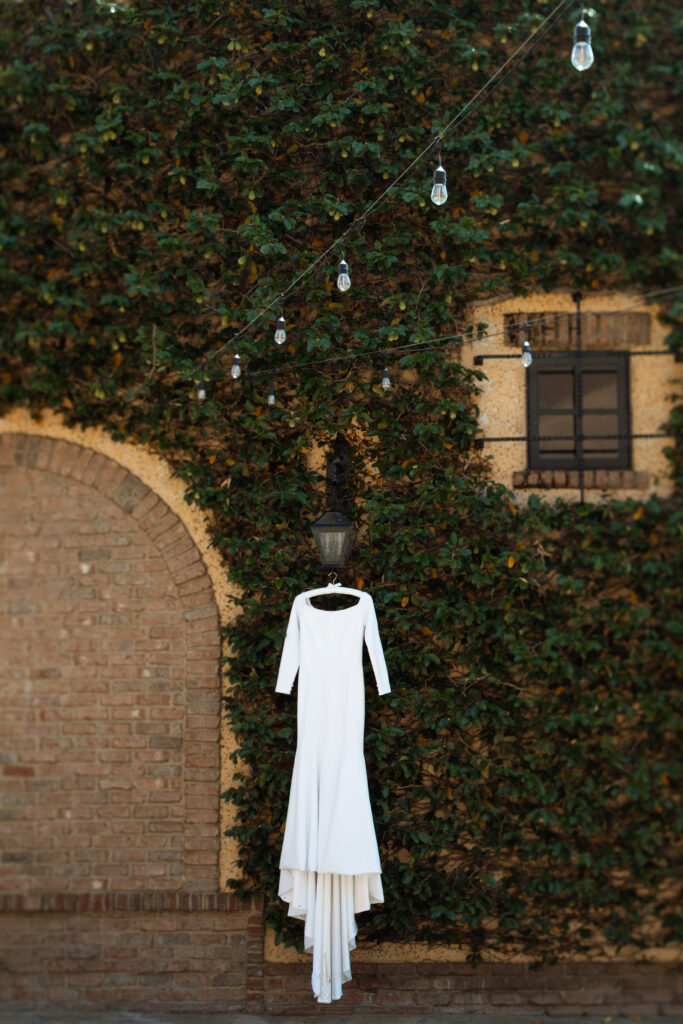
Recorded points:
552,401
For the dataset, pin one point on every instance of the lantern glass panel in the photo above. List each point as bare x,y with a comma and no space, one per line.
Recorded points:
333,535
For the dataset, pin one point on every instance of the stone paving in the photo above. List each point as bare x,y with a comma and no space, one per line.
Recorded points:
11,1015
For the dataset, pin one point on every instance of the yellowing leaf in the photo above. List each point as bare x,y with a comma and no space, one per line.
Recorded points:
638,512
420,97
511,561
404,601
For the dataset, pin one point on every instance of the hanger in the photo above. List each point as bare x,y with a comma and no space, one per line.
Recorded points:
332,588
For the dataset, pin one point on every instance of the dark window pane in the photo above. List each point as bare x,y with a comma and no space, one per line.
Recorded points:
555,390
601,423
599,389
556,425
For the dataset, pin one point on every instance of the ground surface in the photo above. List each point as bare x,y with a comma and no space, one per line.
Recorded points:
19,1016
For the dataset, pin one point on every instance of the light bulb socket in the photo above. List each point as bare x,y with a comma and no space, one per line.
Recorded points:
343,267
439,176
271,395
236,369
280,324
582,33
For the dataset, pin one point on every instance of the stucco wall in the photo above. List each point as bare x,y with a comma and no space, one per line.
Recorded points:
502,401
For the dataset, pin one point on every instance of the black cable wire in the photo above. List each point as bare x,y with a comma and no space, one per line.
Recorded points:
472,104
434,344
470,107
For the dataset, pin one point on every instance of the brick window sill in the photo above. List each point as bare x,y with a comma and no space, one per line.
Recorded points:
601,479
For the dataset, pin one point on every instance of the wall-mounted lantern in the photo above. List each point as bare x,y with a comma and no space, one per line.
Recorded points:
333,534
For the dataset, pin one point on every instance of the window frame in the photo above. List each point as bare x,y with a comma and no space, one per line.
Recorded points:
614,361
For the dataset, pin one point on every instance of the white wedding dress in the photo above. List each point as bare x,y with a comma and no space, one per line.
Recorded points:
329,867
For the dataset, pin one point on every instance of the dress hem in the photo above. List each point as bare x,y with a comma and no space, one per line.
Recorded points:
327,903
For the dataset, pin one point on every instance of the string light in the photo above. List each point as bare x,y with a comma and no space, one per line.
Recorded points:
201,390
527,358
236,369
442,342
582,51
343,279
437,344
439,190
280,333
386,379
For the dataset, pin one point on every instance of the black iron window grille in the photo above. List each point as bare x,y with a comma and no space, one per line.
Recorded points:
562,434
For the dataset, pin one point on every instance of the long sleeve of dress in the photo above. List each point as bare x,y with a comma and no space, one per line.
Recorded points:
289,662
374,646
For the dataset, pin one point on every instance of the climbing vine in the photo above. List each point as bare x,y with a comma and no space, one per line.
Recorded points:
169,170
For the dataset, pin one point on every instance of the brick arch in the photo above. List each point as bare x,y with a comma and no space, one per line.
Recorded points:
109,681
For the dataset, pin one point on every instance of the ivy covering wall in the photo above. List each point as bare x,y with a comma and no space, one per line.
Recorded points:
168,171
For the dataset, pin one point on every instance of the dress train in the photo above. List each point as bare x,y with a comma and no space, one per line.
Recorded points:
327,902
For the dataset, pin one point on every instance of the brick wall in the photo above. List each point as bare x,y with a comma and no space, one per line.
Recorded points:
109,737
109,747
553,989
131,951
109,781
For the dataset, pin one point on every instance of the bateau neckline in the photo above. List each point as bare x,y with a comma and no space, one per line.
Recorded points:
331,611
